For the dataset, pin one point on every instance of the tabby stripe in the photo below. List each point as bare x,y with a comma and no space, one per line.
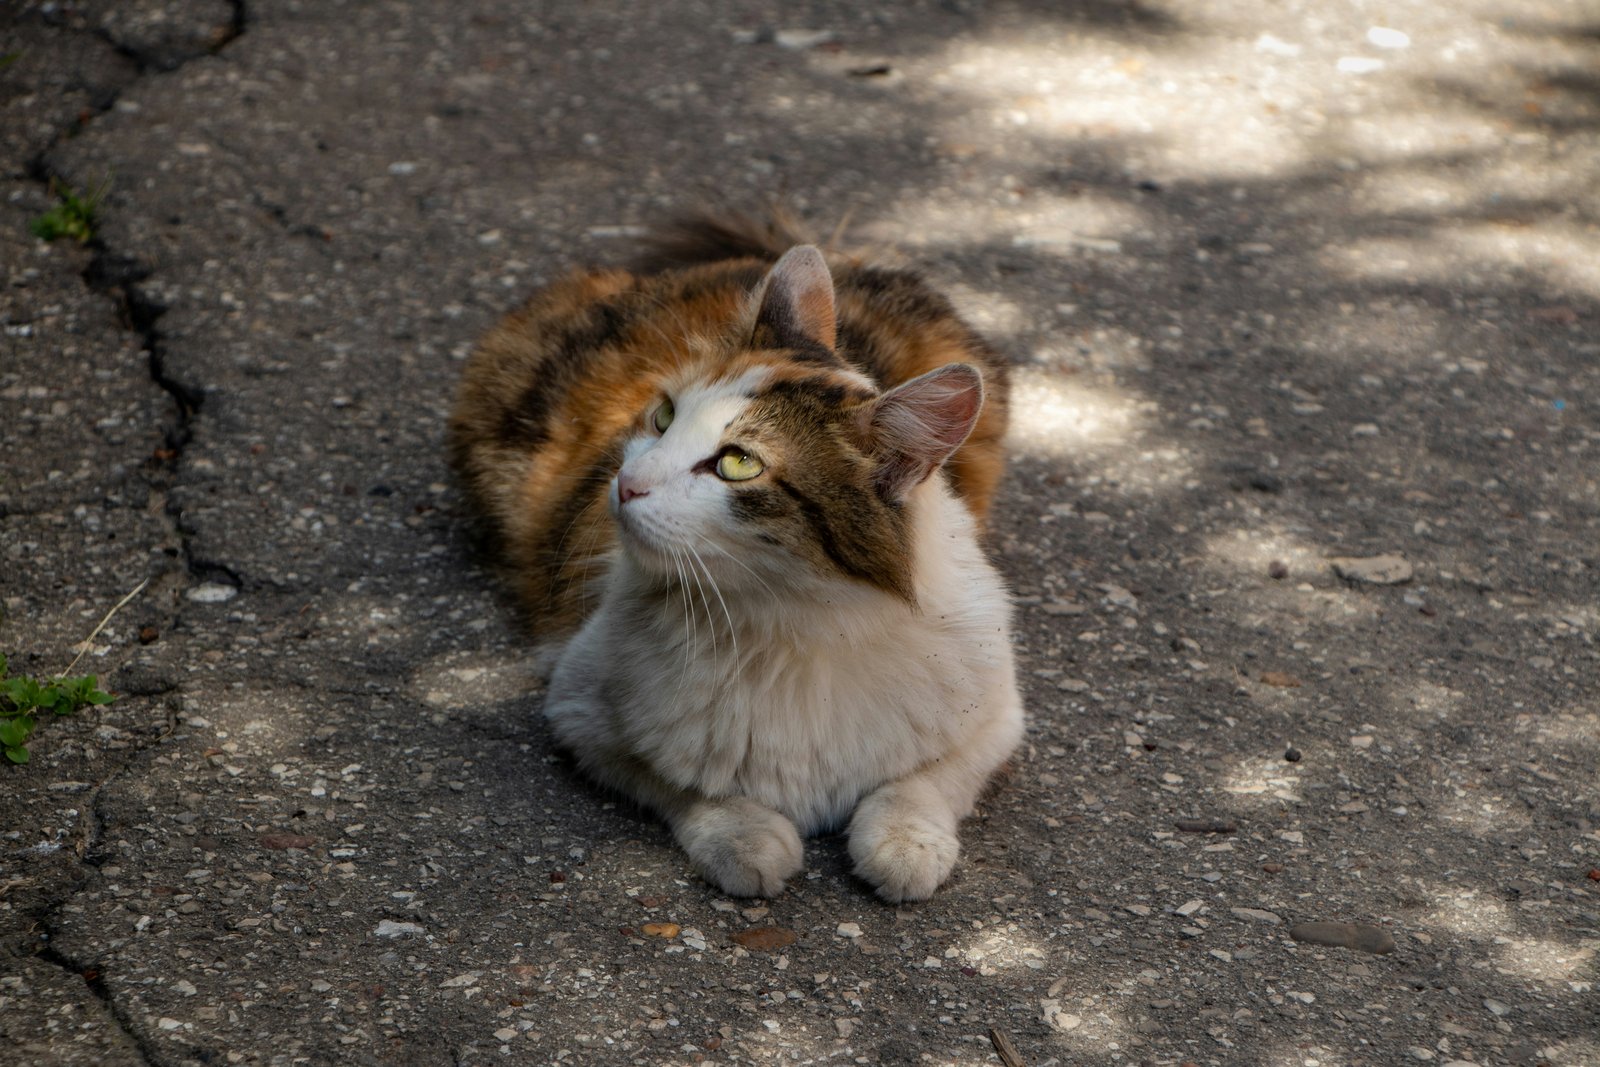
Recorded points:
563,521
818,519
526,422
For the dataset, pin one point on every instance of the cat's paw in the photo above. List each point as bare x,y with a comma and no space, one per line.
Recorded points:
904,857
742,847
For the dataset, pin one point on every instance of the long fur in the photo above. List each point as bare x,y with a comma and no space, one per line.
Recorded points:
817,642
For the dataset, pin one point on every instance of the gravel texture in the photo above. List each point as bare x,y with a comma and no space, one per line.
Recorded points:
1283,284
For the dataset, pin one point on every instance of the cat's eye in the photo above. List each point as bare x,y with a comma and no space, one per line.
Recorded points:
736,466
663,416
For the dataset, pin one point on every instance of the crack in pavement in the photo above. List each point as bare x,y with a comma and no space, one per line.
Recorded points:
117,275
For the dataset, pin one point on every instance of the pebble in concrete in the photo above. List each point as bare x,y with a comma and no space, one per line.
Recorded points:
1358,936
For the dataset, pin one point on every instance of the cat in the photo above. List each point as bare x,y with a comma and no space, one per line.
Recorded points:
749,496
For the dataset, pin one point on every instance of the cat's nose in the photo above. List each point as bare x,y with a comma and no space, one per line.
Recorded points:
628,487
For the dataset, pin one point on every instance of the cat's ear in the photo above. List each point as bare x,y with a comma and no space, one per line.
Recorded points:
914,427
797,302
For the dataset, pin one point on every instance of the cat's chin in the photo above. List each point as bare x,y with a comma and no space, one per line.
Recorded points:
646,549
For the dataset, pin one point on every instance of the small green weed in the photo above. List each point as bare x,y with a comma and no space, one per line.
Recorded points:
8,58
23,699
74,216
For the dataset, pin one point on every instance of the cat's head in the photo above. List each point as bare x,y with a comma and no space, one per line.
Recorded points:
783,464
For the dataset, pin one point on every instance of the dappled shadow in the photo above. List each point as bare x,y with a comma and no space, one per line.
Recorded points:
1347,340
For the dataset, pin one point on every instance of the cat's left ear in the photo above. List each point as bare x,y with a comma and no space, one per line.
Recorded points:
914,427
797,303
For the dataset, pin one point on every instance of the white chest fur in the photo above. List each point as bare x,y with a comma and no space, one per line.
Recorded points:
827,697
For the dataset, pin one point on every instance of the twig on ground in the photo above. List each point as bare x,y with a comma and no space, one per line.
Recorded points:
1002,1044
87,641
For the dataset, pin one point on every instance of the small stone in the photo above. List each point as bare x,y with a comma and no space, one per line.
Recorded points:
386,928
1206,826
1276,47
1257,914
460,981
184,988
212,593
1292,754
166,1023
1419,1053
1304,998
1496,1007
1359,65
800,40
1358,936
1136,909
851,930
1222,954
1073,685
505,1033
1361,741
1385,37
1372,570
1058,1019
665,931
1190,908
1364,429
1062,607
1280,679
1277,570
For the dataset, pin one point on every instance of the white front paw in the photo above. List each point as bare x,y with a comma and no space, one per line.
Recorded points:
905,856
743,848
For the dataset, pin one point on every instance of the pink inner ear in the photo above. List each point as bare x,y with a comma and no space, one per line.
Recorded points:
916,426
797,306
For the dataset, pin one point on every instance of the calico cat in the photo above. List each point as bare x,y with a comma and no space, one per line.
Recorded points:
749,496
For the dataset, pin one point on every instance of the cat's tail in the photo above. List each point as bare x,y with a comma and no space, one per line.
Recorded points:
712,236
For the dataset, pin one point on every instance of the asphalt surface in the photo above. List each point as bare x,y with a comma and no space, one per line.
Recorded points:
1282,284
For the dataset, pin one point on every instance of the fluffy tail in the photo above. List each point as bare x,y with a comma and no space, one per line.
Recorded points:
707,237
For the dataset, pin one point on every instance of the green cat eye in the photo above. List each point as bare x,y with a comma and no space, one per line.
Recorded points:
663,417
736,466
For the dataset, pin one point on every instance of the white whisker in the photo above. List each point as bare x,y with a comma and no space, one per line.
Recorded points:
749,569
733,633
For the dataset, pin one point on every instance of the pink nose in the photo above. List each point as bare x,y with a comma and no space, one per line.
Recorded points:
628,487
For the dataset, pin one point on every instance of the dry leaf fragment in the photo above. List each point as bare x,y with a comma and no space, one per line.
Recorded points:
765,938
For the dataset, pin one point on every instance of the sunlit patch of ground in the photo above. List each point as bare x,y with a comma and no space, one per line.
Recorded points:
1550,960
1267,778
996,948
1057,417
480,680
